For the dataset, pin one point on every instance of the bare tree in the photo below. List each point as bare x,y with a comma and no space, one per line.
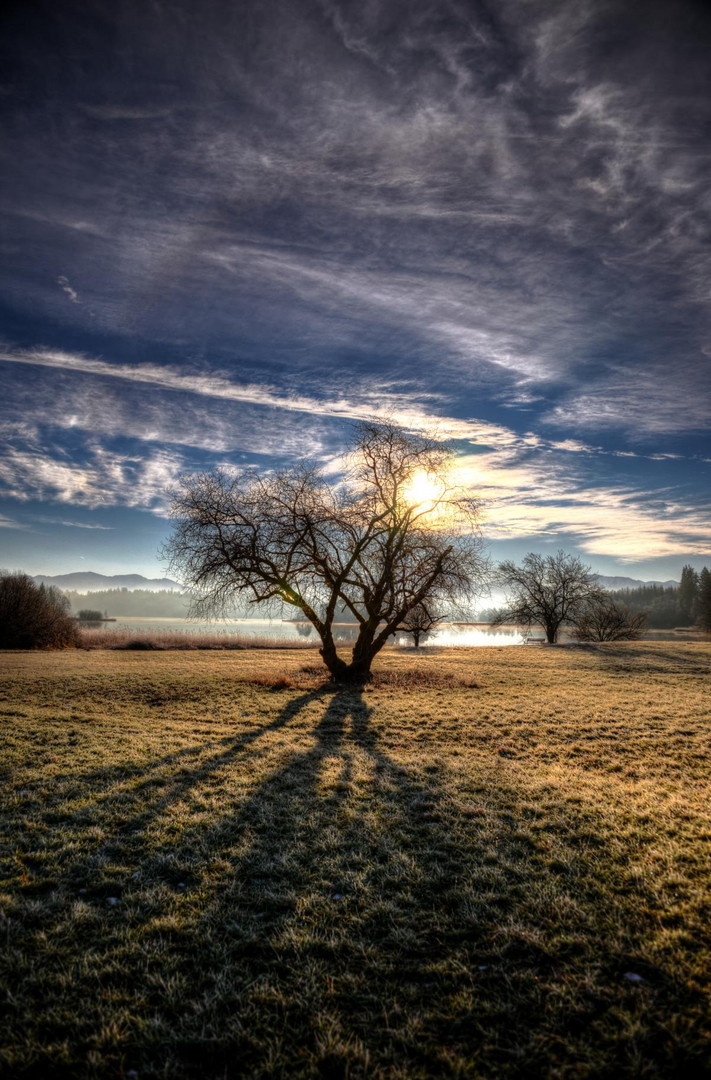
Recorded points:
602,618
392,534
34,616
547,591
421,619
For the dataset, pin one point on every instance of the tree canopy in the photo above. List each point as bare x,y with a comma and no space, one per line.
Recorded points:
390,534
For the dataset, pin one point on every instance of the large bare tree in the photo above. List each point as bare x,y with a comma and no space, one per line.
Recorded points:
548,591
392,533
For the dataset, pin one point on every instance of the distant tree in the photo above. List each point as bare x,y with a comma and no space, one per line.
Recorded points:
548,591
704,600
89,615
392,534
421,619
688,593
604,619
33,616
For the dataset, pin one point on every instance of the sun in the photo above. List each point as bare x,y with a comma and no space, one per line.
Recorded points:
423,489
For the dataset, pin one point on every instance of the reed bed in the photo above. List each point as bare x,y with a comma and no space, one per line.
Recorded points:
126,638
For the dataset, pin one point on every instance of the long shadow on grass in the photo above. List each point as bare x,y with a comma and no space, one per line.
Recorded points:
354,913
361,912
367,911
661,658
129,808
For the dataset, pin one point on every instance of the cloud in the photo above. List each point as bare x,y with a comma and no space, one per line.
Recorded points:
105,478
488,196
10,523
530,486
75,524
365,400
539,500
652,402
66,287
126,112
450,213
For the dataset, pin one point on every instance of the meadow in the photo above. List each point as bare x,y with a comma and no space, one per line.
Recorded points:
490,862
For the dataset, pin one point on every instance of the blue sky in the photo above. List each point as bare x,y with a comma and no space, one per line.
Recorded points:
231,229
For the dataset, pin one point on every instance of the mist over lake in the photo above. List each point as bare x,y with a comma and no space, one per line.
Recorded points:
449,634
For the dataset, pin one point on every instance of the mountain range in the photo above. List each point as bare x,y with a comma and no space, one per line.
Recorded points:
87,581
632,583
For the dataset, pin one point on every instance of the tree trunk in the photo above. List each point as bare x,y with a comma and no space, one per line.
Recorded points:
416,636
365,650
358,671
356,674
332,660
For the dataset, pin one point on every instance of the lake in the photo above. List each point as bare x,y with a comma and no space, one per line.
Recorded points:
278,630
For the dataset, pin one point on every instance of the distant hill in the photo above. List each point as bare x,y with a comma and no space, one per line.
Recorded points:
632,583
87,581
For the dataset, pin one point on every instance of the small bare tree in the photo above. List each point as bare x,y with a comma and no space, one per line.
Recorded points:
604,619
392,534
547,591
421,619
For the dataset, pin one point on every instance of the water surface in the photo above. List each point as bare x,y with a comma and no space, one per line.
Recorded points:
286,630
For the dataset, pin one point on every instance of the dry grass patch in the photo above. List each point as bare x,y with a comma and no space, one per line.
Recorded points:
202,877
314,676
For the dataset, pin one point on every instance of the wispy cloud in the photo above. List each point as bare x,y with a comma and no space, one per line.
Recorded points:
451,214
104,478
368,398
75,524
10,523
539,500
63,283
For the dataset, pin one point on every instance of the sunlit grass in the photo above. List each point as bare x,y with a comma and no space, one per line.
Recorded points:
214,865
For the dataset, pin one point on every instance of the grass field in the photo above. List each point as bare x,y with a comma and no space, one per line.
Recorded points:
490,863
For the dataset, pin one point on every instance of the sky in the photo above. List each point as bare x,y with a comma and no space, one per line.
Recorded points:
231,229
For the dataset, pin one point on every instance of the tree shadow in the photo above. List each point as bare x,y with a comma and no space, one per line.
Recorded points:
353,901
656,657
134,806
342,906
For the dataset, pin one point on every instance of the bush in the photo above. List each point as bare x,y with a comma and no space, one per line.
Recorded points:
34,616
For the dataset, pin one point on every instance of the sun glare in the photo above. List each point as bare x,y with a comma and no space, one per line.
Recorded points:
423,489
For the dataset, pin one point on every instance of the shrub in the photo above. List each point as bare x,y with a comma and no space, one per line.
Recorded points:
34,616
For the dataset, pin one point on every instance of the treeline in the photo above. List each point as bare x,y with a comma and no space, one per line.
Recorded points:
163,604
688,604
